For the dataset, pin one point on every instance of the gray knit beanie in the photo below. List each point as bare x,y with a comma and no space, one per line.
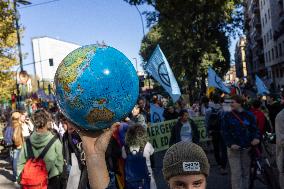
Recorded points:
185,158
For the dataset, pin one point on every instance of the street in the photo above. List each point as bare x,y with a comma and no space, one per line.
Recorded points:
215,180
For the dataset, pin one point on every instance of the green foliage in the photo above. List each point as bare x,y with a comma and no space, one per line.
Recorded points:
193,34
8,41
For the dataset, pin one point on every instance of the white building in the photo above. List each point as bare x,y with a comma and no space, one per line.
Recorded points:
48,54
272,22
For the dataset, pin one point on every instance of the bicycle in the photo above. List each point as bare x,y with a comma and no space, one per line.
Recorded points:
261,168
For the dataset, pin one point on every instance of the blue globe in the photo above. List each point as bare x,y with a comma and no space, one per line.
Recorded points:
96,86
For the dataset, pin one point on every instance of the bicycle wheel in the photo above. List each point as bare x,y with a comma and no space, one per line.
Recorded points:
270,177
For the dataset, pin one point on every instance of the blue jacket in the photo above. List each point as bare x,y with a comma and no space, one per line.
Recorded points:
234,132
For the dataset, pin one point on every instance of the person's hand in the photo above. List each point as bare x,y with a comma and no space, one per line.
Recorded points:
97,142
235,147
95,145
255,142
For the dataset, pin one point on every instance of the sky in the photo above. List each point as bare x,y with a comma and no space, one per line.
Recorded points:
85,22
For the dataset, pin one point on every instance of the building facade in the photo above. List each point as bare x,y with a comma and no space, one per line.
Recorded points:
240,58
272,21
230,76
254,48
48,54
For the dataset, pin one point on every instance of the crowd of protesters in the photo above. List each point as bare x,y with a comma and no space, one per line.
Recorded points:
122,157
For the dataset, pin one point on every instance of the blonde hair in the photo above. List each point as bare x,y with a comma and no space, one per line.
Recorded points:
17,127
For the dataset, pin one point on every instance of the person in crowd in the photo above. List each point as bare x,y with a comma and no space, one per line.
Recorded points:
8,136
75,173
246,102
274,107
261,121
18,140
185,165
136,144
137,117
184,130
39,139
194,110
114,161
156,101
27,125
213,122
240,132
205,105
279,131
181,105
170,113
142,106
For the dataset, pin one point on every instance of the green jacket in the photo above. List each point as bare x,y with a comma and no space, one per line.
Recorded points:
53,158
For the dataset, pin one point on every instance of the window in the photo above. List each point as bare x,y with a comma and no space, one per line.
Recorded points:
269,56
265,18
272,53
265,57
50,61
280,49
270,32
263,2
263,22
264,42
268,14
276,51
267,37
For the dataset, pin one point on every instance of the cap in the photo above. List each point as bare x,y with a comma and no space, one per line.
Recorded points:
185,158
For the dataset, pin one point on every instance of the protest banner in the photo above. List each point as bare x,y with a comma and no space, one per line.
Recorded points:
160,133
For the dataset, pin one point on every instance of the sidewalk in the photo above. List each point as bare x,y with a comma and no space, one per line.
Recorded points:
215,180
6,174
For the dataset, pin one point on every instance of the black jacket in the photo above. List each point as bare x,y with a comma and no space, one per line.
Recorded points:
175,132
68,148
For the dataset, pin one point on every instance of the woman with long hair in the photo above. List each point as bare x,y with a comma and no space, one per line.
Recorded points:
18,140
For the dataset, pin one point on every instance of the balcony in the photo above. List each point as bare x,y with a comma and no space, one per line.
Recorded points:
256,22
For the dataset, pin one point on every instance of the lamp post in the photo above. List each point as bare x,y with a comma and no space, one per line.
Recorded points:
136,64
23,2
142,22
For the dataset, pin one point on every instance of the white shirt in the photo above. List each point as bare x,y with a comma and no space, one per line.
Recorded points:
27,128
186,132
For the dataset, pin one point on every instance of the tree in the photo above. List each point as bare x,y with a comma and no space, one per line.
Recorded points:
193,34
8,41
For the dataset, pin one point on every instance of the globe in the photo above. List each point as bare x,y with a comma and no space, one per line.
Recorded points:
96,86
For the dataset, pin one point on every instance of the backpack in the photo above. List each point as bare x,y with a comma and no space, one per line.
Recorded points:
214,120
35,174
136,171
8,136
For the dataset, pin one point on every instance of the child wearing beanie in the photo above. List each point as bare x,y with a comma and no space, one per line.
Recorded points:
186,165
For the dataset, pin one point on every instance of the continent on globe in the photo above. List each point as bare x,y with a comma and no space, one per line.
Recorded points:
79,59
97,115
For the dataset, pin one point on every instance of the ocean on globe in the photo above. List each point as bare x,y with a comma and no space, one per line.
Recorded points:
96,86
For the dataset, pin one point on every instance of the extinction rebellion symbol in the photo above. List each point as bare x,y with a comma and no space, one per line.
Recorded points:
156,117
163,74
